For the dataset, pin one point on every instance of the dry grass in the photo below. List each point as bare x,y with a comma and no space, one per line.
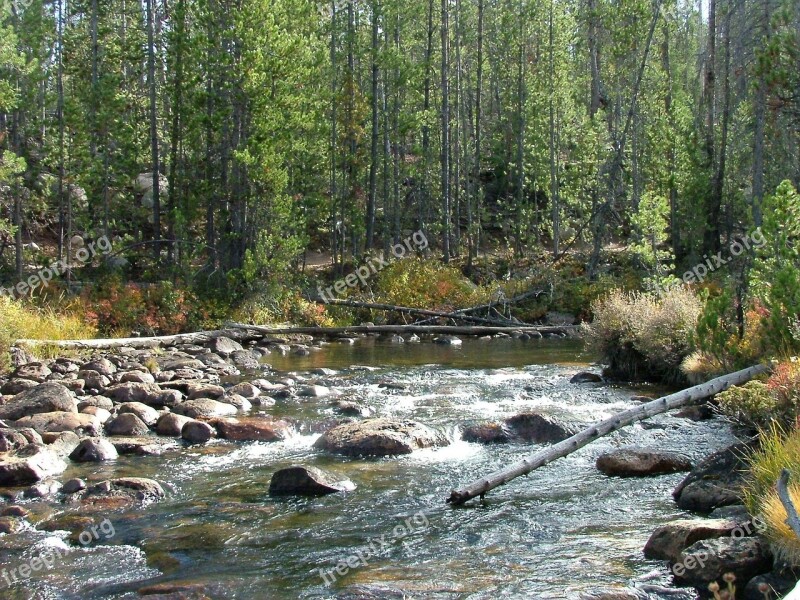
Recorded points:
785,544
19,320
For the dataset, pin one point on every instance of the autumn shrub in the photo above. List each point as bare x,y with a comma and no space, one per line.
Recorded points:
762,404
427,284
24,320
779,449
644,337
280,305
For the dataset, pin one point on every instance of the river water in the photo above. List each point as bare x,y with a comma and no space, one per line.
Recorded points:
563,531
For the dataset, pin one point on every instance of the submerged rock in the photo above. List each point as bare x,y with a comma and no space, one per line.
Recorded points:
125,490
539,428
486,433
670,539
586,377
630,462
298,480
448,340
379,437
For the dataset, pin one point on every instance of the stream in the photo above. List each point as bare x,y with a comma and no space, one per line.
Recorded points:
563,531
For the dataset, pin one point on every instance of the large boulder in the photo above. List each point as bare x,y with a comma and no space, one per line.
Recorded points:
632,462
131,391
198,432
253,429
204,408
532,427
29,465
486,433
171,424
94,450
224,345
379,437
127,424
586,377
147,414
48,397
708,560
11,439
670,539
201,389
35,371
122,492
715,481
298,480
101,365
55,422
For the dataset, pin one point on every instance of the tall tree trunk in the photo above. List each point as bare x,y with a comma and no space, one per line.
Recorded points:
445,131
594,59
151,82
759,112
711,241
718,180
477,171
674,223
554,199
177,113
426,130
373,165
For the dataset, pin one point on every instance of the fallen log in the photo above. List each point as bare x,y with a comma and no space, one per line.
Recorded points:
241,331
436,314
618,421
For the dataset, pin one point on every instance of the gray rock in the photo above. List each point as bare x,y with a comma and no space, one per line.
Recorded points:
146,393
101,413
98,401
240,402
539,428
55,422
447,340
35,371
313,391
253,429
17,385
352,409
379,437
94,450
92,380
198,432
127,424
224,346
137,489
101,365
486,433
632,462
670,539
299,480
246,359
11,439
171,424
205,408
204,390
714,482
246,390
29,465
141,446
43,489
44,398
708,560
586,377
146,413
73,486
137,377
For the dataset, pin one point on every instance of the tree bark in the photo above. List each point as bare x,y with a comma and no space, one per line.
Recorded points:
618,421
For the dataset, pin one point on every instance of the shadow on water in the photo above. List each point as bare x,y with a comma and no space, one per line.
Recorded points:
562,531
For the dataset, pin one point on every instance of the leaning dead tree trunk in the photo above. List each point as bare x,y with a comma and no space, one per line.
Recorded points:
618,421
490,305
792,520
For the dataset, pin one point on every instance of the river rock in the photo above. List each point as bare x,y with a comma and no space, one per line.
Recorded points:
240,402
708,560
168,398
171,424
146,413
379,437
246,359
62,443
203,390
586,377
198,432
299,480
313,391
253,429
616,594
780,583
246,390
29,465
101,365
539,428
46,397
670,539
17,385
43,489
353,409
631,462
73,486
101,413
715,481
127,424
204,408
128,488
34,371
54,422
92,380
146,393
486,433
11,439
224,346
94,450
447,340
137,377
142,446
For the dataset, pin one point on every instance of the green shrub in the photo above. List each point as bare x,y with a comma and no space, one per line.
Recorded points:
643,337
751,404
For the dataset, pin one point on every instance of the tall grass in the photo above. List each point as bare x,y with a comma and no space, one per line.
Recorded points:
20,320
